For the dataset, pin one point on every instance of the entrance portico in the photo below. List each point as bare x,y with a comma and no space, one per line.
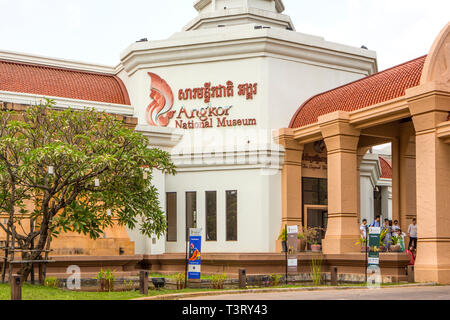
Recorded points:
409,107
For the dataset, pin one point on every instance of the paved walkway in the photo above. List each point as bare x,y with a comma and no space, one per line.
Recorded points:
413,293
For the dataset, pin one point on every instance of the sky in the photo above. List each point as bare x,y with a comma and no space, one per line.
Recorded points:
97,31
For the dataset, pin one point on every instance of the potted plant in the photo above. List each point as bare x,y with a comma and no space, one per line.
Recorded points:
363,243
283,239
382,238
301,243
395,244
313,237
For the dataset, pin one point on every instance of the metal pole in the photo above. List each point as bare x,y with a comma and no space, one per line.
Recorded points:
285,228
186,262
366,253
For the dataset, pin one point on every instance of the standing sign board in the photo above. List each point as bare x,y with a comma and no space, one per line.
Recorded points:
292,236
374,246
195,249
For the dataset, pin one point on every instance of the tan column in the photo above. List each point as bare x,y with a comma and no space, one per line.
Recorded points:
395,180
291,188
341,140
429,109
407,175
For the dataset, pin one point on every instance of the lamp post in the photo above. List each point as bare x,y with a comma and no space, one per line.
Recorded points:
366,253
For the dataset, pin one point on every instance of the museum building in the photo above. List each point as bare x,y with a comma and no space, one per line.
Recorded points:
267,127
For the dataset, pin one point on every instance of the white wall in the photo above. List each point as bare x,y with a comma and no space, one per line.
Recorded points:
259,211
367,199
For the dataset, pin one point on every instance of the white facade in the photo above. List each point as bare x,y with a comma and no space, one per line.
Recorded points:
264,70
245,42
371,180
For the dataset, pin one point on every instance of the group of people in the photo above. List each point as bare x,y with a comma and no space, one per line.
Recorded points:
392,229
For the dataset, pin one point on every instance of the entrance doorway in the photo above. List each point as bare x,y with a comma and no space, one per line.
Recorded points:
317,217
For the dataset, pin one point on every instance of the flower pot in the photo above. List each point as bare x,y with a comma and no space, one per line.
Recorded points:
316,248
396,248
301,245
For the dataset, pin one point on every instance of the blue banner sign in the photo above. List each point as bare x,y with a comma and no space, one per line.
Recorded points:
195,250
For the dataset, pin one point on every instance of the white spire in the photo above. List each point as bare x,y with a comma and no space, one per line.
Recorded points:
203,6
214,13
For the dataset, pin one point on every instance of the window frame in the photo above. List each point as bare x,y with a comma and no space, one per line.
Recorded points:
226,216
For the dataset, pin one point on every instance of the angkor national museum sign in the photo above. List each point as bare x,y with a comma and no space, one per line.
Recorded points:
160,111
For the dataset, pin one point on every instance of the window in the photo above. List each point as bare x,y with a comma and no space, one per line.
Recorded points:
231,207
171,216
211,215
315,191
191,212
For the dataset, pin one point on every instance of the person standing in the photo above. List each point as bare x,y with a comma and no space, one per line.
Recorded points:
363,229
376,223
412,254
388,237
395,227
412,232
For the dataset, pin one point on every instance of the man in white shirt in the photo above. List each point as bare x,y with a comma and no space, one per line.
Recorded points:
395,227
412,232
363,229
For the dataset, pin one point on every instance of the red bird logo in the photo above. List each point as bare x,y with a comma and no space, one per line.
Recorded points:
159,110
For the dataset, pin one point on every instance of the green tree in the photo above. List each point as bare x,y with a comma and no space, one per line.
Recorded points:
79,170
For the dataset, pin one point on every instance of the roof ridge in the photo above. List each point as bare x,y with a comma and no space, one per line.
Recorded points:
24,63
372,75
386,160
350,85
56,81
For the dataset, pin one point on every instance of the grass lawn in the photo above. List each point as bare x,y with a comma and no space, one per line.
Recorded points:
30,292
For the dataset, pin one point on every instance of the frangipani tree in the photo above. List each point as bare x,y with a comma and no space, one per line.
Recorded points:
79,170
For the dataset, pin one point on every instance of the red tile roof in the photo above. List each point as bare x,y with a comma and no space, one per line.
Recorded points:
386,168
383,86
60,82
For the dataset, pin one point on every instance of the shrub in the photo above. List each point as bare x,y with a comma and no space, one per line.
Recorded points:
106,279
180,278
316,271
218,281
275,279
51,282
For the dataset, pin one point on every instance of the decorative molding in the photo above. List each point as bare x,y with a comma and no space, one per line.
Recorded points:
33,99
437,64
245,42
159,136
269,157
250,15
56,62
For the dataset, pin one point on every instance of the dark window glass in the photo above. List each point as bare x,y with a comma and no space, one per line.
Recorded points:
191,212
323,192
171,216
315,191
231,215
211,216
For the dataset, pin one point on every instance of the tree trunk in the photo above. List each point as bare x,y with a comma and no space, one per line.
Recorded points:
5,260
